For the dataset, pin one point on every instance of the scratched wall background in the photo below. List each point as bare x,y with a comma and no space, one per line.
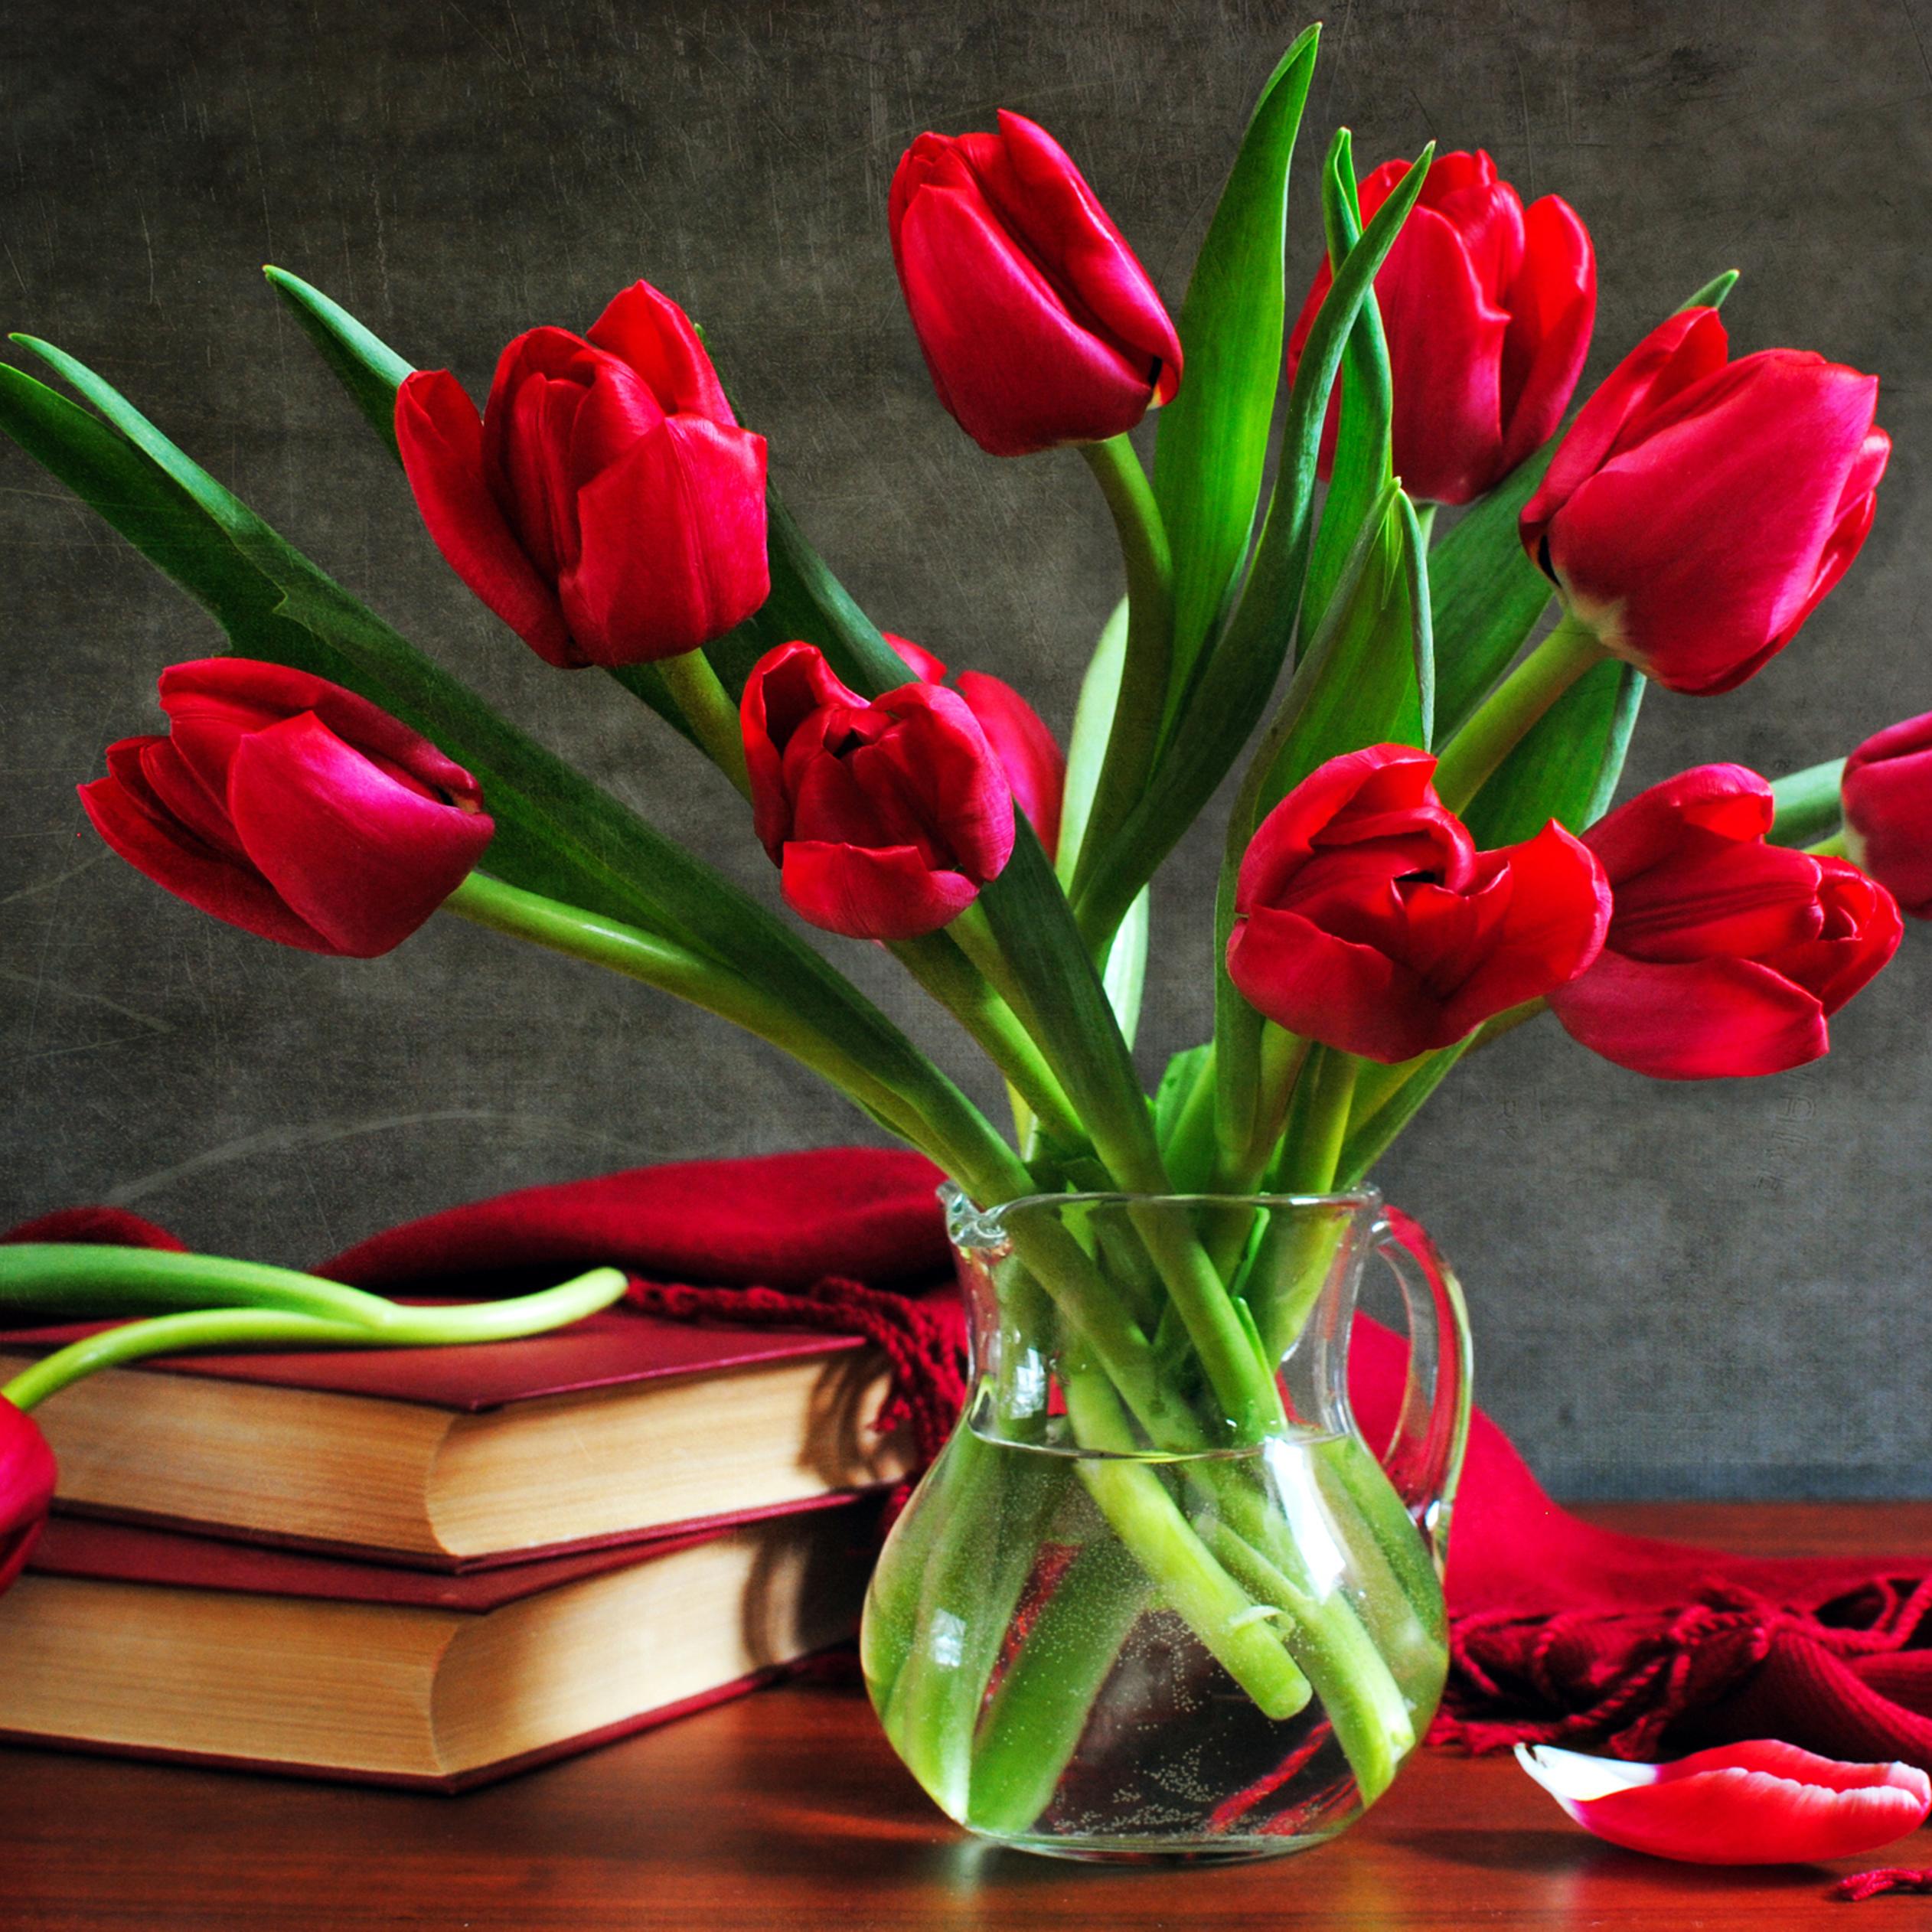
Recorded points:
1694,1290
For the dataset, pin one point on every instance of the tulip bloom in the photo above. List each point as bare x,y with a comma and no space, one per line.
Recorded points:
1725,956
1887,790
885,817
1365,918
1038,324
606,506
291,808
1699,510
27,1474
1763,1803
1035,765
1487,307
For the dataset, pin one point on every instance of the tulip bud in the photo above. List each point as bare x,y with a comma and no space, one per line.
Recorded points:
1365,918
1488,308
1887,790
1699,510
1725,956
885,817
26,1475
1035,765
606,506
291,807
1038,324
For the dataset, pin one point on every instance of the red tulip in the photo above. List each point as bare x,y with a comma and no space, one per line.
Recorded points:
1726,955
1365,918
290,807
1759,1803
1038,324
1035,765
1887,790
1488,308
885,817
607,505
1699,510
27,1475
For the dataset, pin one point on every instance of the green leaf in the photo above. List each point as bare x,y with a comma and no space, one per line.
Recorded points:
1362,681
1212,445
1183,1118
1238,678
557,834
1485,594
365,365
1364,464
1567,767
1713,292
1093,723
1125,974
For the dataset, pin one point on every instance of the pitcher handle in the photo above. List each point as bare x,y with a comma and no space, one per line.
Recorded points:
1424,1456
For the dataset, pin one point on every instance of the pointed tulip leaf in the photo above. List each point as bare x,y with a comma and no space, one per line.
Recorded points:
1238,678
365,365
557,832
1093,722
1364,446
1212,445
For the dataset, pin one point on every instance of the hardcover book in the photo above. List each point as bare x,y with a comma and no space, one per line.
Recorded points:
130,1640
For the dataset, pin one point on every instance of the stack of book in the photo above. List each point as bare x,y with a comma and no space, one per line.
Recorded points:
433,1567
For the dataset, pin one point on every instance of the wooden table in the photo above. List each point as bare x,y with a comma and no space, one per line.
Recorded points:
787,1811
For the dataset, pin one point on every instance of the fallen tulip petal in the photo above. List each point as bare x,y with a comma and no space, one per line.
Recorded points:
1762,1803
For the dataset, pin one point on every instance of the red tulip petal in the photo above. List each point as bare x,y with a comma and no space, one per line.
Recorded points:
644,329
441,439
918,660
1035,765
1552,928
673,536
1729,801
1352,997
1887,792
1753,459
1706,1019
1758,1803
883,893
1015,369
1552,305
362,858
26,1480
1860,931
1680,351
1445,353
135,826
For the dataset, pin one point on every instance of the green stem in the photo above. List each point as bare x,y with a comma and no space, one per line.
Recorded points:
708,709
257,1327
1278,1067
1426,521
1314,1148
1808,803
1507,715
1134,733
943,969
1836,847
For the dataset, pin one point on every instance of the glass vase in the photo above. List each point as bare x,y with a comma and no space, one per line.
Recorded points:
1157,1599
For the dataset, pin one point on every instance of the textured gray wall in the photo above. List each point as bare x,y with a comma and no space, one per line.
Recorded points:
1695,1289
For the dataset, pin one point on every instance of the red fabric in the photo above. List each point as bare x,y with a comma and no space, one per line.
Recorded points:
1561,1631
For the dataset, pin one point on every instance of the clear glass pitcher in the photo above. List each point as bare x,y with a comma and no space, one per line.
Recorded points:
1158,1598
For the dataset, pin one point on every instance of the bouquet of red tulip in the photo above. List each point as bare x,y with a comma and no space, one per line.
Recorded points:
1420,853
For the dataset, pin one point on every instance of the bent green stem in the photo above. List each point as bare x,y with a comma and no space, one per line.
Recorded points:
945,972
207,1329
1507,715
